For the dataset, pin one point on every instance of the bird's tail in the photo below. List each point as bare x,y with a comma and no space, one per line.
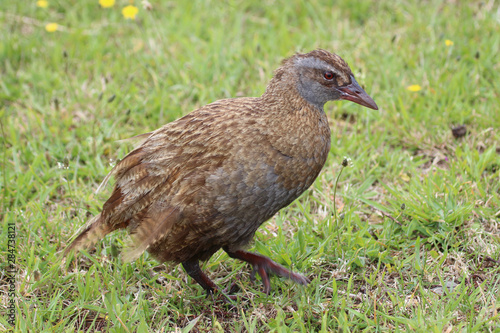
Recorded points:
93,231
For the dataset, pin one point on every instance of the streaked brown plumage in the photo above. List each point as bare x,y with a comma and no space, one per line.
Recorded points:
209,179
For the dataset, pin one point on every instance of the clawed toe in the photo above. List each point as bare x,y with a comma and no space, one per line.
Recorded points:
264,271
298,278
252,274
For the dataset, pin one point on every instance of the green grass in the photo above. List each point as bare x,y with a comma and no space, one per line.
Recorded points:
416,243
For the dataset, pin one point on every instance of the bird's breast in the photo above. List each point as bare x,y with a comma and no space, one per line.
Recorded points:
272,168
302,146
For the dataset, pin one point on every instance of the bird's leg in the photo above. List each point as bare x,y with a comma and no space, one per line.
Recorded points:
193,269
263,265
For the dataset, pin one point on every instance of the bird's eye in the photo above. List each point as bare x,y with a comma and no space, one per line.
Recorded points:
328,75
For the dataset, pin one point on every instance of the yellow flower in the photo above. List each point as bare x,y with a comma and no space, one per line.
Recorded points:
51,27
106,3
130,12
414,87
448,42
42,3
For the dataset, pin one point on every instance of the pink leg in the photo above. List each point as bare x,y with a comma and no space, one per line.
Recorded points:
263,265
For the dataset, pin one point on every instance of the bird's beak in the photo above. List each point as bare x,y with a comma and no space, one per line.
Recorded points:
354,93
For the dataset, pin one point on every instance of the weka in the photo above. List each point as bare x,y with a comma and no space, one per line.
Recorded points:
210,179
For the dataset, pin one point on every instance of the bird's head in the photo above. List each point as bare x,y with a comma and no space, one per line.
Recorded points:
320,76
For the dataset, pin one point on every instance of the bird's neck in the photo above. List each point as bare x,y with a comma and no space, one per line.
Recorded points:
297,127
286,97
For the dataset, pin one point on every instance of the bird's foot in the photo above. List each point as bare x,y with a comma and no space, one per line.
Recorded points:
264,266
213,291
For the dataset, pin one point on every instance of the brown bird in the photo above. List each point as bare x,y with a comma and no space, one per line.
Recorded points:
209,179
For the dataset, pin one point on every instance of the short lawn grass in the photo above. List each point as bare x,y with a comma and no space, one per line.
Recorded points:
415,245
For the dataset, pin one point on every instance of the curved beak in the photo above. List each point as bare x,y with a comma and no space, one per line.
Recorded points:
354,93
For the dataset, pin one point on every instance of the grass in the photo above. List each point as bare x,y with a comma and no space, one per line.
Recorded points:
416,242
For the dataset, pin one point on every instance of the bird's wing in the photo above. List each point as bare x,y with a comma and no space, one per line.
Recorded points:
137,141
157,179
153,227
